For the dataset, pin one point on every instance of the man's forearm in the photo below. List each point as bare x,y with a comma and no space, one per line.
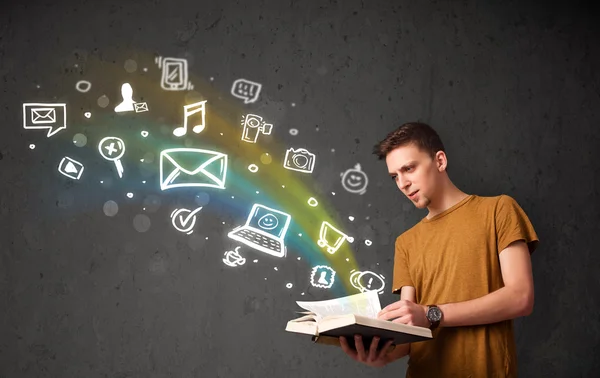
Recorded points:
502,304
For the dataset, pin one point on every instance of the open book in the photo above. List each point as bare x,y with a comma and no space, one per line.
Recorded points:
347,316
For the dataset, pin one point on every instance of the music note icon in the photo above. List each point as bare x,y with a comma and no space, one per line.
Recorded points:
193,114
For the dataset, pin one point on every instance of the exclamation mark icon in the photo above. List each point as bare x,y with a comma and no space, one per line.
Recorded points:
369,284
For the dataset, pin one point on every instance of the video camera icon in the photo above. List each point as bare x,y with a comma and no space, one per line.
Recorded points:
253,126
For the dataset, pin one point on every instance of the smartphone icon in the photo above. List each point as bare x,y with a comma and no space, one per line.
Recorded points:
174,74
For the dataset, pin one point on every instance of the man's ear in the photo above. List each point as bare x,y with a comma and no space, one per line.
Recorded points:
441,161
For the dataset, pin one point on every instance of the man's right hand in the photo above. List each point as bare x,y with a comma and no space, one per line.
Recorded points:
372,356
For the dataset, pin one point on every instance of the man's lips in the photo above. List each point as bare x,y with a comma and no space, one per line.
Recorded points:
412,194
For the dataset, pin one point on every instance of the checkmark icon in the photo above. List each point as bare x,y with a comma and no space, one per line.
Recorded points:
184,223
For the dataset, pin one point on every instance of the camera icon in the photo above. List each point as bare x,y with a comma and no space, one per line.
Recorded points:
299,160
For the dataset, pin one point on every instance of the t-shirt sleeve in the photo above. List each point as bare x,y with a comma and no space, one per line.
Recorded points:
401,272
512,224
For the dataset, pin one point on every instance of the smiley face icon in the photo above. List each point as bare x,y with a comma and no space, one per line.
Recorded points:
268,222
354,180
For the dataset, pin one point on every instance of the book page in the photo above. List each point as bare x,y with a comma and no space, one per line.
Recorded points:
365,304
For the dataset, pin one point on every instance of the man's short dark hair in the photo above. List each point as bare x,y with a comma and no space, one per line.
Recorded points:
420,134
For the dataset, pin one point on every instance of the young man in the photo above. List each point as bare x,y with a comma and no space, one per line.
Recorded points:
464,270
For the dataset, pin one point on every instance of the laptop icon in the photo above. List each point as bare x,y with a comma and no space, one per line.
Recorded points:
264,230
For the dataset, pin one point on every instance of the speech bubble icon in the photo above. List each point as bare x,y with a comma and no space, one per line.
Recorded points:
367,281
246,90
49,116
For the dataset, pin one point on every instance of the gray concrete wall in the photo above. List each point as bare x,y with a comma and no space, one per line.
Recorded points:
511,87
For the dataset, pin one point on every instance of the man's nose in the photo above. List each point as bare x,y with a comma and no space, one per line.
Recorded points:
403,184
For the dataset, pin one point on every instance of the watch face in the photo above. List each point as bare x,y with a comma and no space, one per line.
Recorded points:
434,314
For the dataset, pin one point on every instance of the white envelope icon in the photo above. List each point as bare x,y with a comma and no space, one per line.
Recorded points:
43,115
140,107
192,167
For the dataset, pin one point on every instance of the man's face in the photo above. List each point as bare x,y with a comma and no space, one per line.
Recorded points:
413,171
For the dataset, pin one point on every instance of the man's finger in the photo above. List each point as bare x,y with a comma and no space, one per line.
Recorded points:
392,306
373,348
406,319
360,348
386,349
346,348
392,314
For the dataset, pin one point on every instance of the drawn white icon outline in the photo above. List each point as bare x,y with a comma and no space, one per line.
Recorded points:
238,259
291,162
167,182
320,285
247,90
140,107
236,233
176,216
172,68
254,126
323,233
43,115
83,82
357,276
358,188
188,111
127,105
116,159
70,163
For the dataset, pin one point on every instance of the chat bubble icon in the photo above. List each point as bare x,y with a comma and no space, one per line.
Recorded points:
246,90
52,117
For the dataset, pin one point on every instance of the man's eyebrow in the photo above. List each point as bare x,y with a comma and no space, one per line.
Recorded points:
404,167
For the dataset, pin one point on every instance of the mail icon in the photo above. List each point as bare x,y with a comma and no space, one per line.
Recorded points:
140,107
192,167
45,116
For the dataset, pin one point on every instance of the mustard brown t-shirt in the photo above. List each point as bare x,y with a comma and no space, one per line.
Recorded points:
454,257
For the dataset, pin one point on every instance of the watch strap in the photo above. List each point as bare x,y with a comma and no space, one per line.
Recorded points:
432,324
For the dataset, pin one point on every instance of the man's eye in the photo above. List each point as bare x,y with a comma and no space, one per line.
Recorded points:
394,177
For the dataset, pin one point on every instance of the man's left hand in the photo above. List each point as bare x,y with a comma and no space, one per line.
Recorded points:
405,312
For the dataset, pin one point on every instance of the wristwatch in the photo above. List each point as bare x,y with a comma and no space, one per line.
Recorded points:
434,315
